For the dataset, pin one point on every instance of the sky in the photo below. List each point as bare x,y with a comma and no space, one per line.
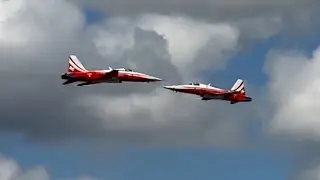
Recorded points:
138,131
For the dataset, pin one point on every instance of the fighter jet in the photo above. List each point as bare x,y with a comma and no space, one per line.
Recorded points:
207,92
78,73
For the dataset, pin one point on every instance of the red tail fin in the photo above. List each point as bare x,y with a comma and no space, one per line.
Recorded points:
239,86
75,65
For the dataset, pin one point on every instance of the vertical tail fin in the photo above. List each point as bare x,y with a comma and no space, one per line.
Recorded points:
75,65
239,86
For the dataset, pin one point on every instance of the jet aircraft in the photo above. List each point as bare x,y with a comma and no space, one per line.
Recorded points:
207,92
78,73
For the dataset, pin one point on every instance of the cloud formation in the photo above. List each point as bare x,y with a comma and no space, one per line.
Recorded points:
311,174
213,8
296,109
175,40
11,170
162,45
37,42
186,47
156,44
26,24
296,16
293,85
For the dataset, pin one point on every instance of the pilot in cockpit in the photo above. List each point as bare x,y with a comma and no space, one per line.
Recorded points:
194,84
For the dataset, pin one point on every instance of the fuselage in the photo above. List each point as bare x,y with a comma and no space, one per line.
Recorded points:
200,89
208,92
132,76
103,76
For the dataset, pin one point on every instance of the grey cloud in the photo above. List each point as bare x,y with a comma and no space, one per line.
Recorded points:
297,16
303,157
184,121
294,119
36,104
211,8
150,55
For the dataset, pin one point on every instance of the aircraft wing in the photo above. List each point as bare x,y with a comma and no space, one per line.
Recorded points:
111,74
230,92
218,95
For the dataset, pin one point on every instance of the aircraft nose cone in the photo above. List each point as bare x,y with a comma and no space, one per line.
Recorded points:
169,87
152,78
156,79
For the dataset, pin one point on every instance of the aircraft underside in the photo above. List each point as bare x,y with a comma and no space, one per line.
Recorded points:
213,97
222,99
217,97
86,82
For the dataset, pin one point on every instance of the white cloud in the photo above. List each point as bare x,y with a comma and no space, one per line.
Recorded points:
49,33
11,170
86,178
260,27
114,38
185,42
31,23
159,104
32,30
163,117
294,85
188,46
311,174
160,113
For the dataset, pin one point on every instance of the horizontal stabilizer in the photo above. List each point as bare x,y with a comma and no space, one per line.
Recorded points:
69,81
87,83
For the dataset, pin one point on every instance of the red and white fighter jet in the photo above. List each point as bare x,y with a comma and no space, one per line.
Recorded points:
207,92
77,73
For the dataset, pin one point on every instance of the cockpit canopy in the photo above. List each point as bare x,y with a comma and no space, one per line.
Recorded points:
129,70
194,84
125,69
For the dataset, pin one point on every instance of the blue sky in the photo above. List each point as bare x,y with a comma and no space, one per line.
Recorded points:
156,163
76,158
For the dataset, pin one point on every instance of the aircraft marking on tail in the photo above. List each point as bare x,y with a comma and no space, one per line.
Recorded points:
75,65
238,86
